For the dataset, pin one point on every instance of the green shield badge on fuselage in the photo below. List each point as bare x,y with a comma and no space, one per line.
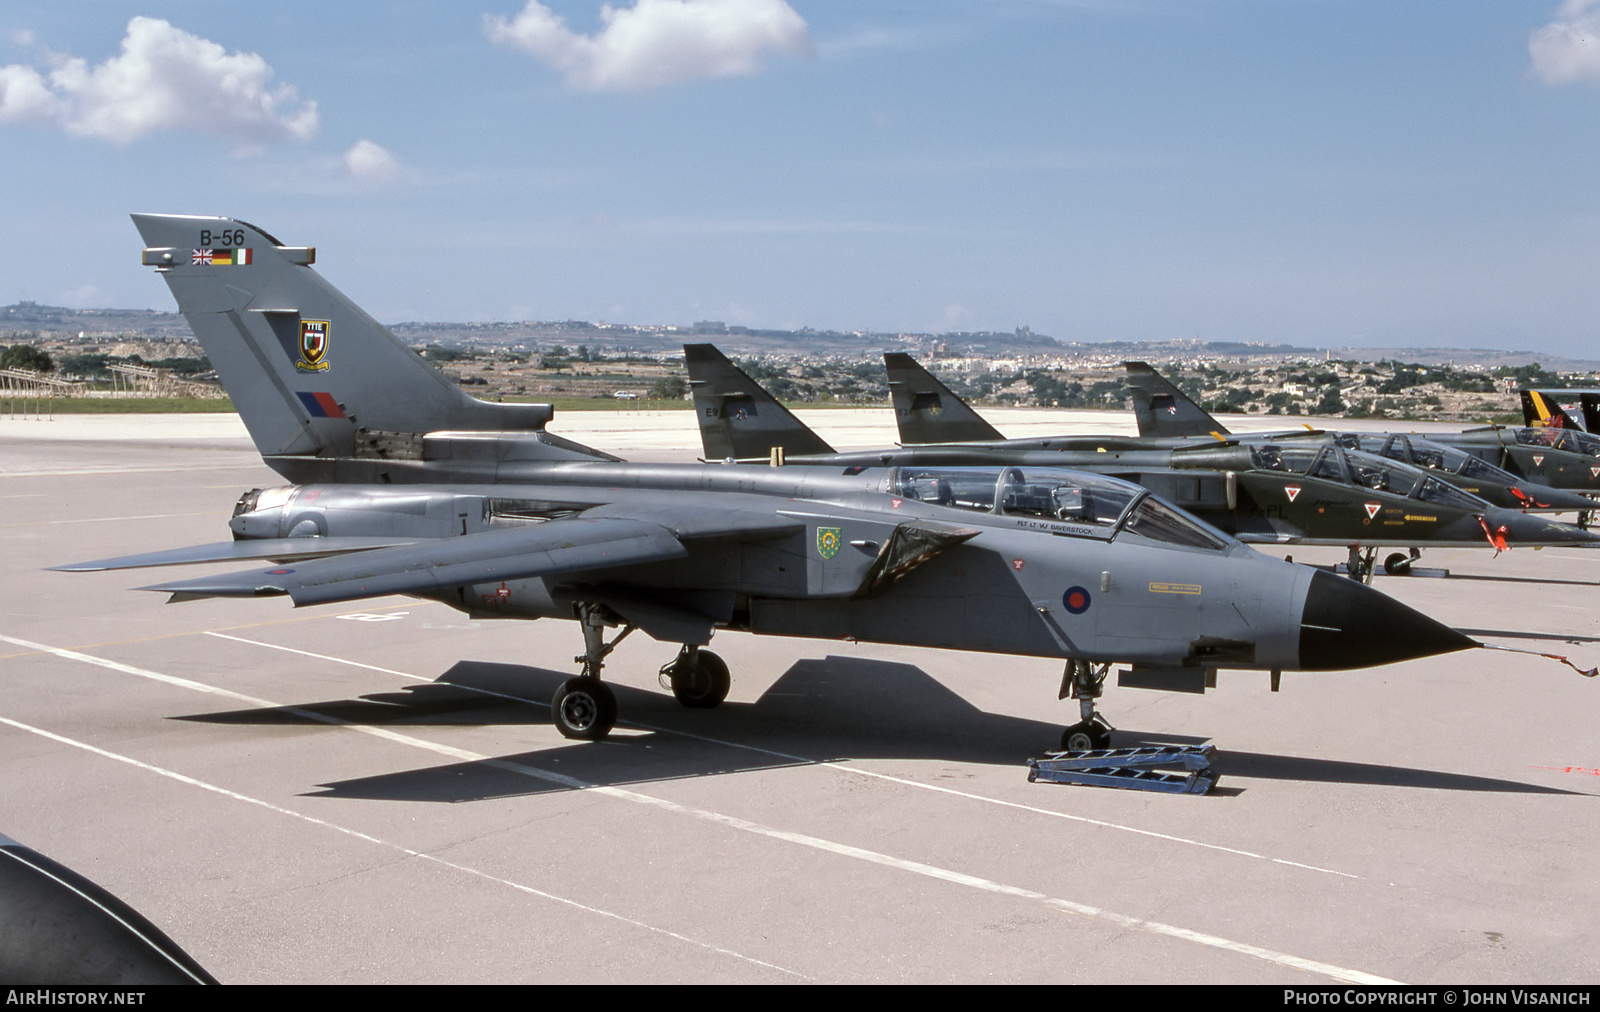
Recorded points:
313,346
828,541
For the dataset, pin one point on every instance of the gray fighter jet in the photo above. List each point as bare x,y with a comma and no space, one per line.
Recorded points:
404,485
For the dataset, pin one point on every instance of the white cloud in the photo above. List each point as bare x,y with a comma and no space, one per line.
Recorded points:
164,79
371,162
655,43
1568,48
25,98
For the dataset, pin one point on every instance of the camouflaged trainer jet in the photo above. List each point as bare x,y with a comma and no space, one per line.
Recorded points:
405,485
1263,493
1534,464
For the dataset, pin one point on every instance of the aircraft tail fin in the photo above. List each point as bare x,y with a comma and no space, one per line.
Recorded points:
1540,410
310,373
1164,410
738,417
927,411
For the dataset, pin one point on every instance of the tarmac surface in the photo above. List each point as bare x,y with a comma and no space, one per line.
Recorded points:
373,793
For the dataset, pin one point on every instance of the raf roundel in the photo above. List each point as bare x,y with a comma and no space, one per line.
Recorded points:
1076,600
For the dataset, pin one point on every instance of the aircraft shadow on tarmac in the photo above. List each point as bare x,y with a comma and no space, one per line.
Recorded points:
820,709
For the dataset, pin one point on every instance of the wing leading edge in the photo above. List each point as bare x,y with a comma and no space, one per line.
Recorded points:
546,549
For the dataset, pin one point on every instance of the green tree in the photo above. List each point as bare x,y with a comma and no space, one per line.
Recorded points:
668,388
26,356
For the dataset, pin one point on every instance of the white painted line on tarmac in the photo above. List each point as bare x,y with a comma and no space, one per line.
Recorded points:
745,825
320,657
419,855
128,470
104,520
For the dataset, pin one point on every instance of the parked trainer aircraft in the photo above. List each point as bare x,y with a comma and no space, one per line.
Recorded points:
1260,492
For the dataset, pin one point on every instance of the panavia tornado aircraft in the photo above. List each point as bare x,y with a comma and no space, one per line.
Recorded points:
405,485
1165,412
1260,492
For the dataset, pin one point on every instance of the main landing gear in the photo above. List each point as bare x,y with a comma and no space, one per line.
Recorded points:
585,708
698,678
1085,682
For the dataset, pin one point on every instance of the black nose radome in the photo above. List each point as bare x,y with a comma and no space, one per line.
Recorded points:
1348,625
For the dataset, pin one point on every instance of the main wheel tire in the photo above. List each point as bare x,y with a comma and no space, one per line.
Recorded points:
1085,736
702,684
584,708
1397,564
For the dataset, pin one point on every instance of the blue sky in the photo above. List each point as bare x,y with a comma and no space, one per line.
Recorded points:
1322,172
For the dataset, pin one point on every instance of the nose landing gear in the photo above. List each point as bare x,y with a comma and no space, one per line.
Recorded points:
1362,563
1396,564
1085,682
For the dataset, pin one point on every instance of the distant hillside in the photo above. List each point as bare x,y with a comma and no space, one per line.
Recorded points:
18,322
58,322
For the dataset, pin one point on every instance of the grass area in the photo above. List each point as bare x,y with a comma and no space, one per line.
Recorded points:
601,404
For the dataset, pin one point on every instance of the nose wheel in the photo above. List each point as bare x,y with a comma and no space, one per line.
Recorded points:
1085,682
1396,564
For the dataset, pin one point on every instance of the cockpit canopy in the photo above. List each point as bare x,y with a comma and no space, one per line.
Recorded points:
1425,453
1362,470
1091,505
1571,440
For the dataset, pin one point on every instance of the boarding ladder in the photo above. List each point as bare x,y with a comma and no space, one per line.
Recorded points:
1131,768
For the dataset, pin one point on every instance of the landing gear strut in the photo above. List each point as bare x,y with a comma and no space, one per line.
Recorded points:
699,679
584,707
1084,682
1362,562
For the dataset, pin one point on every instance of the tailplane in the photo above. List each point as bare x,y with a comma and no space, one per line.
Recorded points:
1164,410
738,417
311,374
927,411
